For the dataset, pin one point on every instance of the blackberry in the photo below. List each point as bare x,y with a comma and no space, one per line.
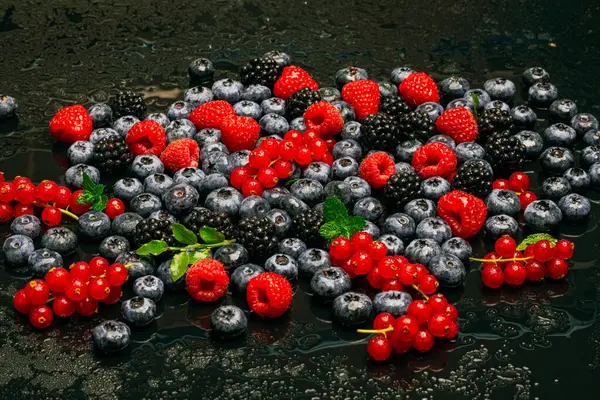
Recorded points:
111,154
493,120
306,227
200,217
403,187
380,132
155,229
129,103
297,103
394,107
505,153
417,125
257,235
473,177
260,71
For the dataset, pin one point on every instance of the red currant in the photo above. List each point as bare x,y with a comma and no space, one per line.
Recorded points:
318,147
423,342
41,316
2,178
51,216
80,270
46,190
383,320
492,276
406,328
407,274
63,307
556,268
519,181
515,274
374,277
294,136
114,208
330,143
564,249
428,284
75,206
340,248
25,193
283,169
388,267
399,346
309,136
6,212
268,177
7,192
421,271
491,256
87,307
377,249
391,284
259,159
37,292
271,146
451,312
252,187
114,296
438,303
501,184
438,325
288,150
63,197
22,209
21,303
528,253
361,262
328,159
20,180
526,198
99,288
361,240
379,348
421,310
505,246
98,266
76,290
57,279
536,271
543,251
452,330
117,274
303,155
239,175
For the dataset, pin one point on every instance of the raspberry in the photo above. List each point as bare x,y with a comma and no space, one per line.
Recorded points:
37,292
239,133
71,124
269,294
207,280
293,79
464,213
419,88
323,118
434,159
376,169
180,154
57,279
41,316
379,348
458,123
364,97
146,137
211,114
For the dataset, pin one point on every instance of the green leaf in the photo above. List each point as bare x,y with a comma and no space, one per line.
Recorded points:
183,234
155,247
354,224
289,182
85,198
330,230
98,190
334,210
211,235
533,239
88,183
179,265
475,98
198,255
100,203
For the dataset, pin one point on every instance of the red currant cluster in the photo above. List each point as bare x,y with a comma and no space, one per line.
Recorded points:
517,182
272,160
424,321
539,260
79,289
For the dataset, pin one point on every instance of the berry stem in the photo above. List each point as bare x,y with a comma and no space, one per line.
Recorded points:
369,331
419,290
62,210
483,260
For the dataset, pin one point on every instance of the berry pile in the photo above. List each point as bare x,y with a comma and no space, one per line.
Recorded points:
518,182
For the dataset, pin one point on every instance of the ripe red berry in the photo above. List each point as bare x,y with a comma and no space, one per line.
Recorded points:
383,320
87,307
51,216
379,348
21,302
6,212
259,159
239,175
519,181
7,192
501,184
41,316
283,169
528,251
555,268
340,248
114,208
99,288
267,177
57,279
361,262
80,270
438,303
361,240
423,341
271,146
407,274
451,312
374,277
438,325
452,330
421,271
391,284
421,310
76,207
564,249
318,148
63,307
406,328
536,271
76,290
399,346
63,197
303,155
515,274
330,143
294,137
25,193
377,250
492,275
114,296
98,266
288,150
117,274
37,292
505,246
526,198
252,187
328,159
428,284
309,136
46,190
543,251
22,209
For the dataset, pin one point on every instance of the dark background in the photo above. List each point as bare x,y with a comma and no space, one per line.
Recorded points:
539,341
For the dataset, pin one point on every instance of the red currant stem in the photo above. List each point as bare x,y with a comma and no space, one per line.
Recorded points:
483,260
388,329
419,290
62,210
270,165
50,300
129,265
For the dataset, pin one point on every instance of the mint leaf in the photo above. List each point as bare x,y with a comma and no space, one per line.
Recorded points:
289,182
197,255
183,234
100,203
211,235
179,266
98,190
330,230
88,183
155,247
475,98
533,239
334,210
354,224
85,198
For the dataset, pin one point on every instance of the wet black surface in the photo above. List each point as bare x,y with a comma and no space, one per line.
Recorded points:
539,341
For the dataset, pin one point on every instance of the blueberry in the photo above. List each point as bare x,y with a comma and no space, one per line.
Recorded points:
232,255
329,94
112,246
434,228
149,287
282,59
201,70
372,229
111,336
293,205
400,73
344,167
242,275
404,168
454,87
369,208
400,225
447,140
217,161
274,105
350,74
281,221
318,171
140,265
405,150
434,110
81,152
501,201
583,123
138,311
101,133
359,188
157,184
469,151
18,248
448,269
180,199
228,90
497,104
274,195
394,302
254,206
274,124
543,215
239,158
283,265
483,96
206,136
387,89
559,135
523,116
500,225
421,251
180,110
298,124
28,225
198,95
125,224
211,183
594,173
345,109
163,215
227,200
127,188
159,118
592,137
458,247
94,225
308,190
247,108
460,102
394,244
351,130
256,94
435,187
419,209
534,75
313,260
542,94
293,247
43,260
329,283
163,272
557,159
590,155
352,308
228,322
145,204
562,110
124,124
145,165
60,239
577,178
500,89
347,148
575,207
190,175
532,143
340,190
556,187
74,175
180,129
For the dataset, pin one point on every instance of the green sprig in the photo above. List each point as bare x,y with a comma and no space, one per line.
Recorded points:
92,194
533,239
338,222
